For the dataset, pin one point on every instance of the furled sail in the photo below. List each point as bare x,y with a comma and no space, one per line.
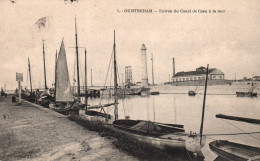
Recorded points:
63,91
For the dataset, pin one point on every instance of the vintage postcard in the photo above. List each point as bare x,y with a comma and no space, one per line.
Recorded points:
129,80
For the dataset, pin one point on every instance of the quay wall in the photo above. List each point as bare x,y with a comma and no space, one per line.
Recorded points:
202,82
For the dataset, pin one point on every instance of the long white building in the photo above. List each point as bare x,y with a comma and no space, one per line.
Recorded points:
198,74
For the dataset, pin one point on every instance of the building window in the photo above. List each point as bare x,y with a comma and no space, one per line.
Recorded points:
195,78
199,78
183,79
187,79
214,77
220,77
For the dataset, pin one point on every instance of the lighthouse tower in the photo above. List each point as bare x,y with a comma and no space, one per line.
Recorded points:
144,66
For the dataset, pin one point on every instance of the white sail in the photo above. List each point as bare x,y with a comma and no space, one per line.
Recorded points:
63,91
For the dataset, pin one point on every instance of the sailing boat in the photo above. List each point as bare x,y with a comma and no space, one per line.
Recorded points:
26,94
63,95
45,97
159,135
91,116
227,150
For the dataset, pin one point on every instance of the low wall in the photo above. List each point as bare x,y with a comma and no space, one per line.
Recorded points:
201,82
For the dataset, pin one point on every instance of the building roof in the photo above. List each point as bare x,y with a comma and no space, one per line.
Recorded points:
257,77
198,72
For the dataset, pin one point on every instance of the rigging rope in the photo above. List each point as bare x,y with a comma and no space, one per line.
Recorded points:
123,102
27,78
241,129
243,133
111,75
211,138
101,97
74,73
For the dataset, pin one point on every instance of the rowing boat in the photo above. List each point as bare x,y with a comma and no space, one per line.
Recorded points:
231,151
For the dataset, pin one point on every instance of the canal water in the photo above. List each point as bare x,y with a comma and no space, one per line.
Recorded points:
174,105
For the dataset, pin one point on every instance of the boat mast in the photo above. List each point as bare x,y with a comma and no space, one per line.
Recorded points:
115,80
43,52
236,118
86,83
55,76
91,78
77,54
204,100
152,69
29,66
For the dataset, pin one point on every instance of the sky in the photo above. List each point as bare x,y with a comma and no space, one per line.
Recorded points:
228,41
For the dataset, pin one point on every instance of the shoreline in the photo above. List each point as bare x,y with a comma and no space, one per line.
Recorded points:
35,133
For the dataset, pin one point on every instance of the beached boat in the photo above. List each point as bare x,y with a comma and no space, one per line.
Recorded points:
231,151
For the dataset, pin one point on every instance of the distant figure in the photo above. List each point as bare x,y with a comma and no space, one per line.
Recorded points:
3,93
37,94
16,91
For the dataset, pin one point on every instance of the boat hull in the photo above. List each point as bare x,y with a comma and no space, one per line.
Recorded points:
191,93
175,139
246,94
160,143
235,152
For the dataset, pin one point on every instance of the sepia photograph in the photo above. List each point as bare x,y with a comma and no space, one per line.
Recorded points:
129,80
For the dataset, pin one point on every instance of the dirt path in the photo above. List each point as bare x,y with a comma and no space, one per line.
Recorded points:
30,133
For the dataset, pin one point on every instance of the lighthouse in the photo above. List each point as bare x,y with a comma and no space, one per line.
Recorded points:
144,66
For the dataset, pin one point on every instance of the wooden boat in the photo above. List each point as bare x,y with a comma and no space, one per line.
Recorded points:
129,91
155,93
191,93
246,94
90,93
236,118
250,93
64,99
26,94
231,151
159,135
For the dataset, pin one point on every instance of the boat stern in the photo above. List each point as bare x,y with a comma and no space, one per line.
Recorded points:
194,143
